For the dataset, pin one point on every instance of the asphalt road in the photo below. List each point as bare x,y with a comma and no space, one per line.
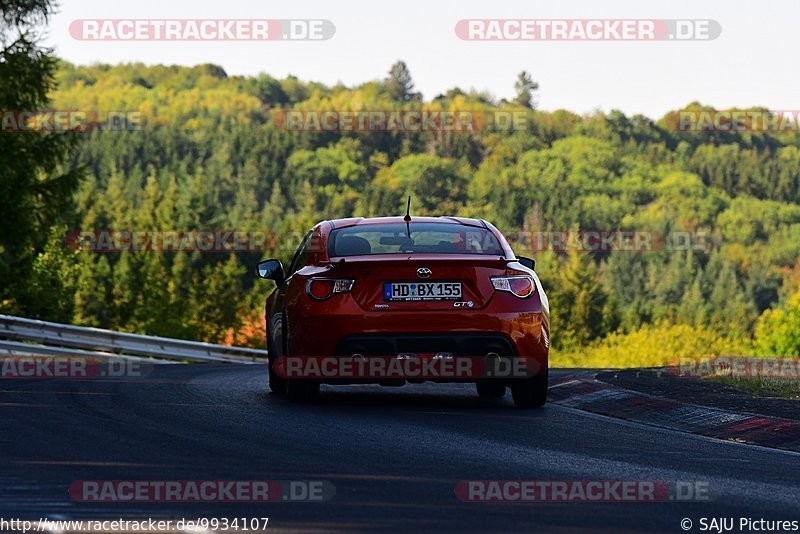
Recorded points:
393,455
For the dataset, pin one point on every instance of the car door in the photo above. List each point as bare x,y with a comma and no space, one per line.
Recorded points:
283,310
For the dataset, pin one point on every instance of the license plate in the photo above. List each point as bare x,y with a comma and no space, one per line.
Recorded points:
399,291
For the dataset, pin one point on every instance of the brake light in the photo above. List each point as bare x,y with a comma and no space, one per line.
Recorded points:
519,286
324,288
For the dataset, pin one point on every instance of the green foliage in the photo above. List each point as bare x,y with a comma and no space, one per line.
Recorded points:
211,317
438,186
49,291
35,185
525,87
778,330
210,156
578,302
93,292
399,83
651,346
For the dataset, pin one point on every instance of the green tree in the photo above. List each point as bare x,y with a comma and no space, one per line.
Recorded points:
578,302
93,299
51,283
693,309
525,88
438,185
778,330
35,188
399,83
212,317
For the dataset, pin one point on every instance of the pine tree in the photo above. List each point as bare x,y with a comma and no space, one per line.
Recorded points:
93,303
693,309
578,301
399,83
525,88
51,287
126,294
36,177
211,317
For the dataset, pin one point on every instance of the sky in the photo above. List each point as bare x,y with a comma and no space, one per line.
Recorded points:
750,63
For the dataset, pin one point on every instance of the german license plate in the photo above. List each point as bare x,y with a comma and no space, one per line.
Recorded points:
403,291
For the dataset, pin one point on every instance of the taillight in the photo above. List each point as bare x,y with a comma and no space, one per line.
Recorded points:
324,288
519,286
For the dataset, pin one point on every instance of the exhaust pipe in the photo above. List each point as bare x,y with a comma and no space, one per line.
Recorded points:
358,357
492,360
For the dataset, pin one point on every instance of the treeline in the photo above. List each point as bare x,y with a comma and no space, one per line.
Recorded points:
209,155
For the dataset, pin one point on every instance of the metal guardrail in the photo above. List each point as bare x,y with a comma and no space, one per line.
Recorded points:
22,349
51,335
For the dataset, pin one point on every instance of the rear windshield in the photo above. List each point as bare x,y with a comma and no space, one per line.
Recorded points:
425,238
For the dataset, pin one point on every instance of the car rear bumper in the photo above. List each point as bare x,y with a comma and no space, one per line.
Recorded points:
522,336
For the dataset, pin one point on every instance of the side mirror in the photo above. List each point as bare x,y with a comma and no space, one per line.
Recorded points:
527,262
271,270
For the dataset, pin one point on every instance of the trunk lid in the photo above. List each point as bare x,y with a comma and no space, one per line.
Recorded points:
372,274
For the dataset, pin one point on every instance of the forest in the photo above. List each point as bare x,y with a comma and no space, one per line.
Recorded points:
208,152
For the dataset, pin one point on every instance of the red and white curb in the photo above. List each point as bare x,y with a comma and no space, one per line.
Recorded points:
598,397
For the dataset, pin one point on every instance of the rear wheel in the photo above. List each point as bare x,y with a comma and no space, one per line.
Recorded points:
277,384
530,392
490,389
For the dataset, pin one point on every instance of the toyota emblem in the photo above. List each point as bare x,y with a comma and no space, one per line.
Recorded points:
423,272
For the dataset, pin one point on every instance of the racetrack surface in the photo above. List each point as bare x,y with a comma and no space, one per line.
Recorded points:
393,454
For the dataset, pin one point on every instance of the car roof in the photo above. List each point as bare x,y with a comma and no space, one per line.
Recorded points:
361,221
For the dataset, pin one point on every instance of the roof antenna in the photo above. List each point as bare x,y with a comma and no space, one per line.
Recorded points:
407,218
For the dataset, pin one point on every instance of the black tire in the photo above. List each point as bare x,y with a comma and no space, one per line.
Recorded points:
277,384
490,389
530,392
301,389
